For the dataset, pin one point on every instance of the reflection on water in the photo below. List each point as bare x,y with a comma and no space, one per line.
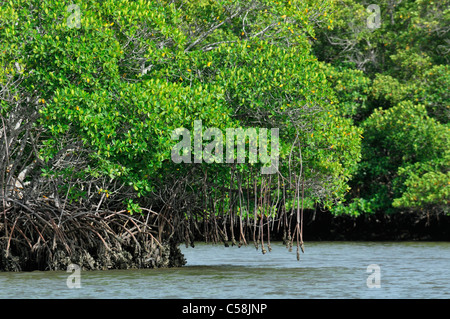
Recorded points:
326,270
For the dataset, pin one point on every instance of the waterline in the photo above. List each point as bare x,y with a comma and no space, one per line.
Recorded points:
326,270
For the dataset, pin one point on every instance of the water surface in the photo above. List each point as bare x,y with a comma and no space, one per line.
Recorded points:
326,270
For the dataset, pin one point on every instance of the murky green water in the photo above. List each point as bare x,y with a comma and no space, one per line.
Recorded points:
326,270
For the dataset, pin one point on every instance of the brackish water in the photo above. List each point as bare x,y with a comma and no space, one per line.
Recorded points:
326,270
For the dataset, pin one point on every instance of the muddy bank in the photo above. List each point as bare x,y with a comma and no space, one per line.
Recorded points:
94,258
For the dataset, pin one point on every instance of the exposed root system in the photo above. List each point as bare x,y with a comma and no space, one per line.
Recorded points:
42,240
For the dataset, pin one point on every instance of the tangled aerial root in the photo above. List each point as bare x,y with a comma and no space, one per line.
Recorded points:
46,240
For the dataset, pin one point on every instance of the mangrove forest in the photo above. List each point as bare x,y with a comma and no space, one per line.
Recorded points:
131,127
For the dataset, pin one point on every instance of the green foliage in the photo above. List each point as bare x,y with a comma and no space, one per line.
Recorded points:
393,80
357,207
427,185
352,89
133,71
409,28
400,142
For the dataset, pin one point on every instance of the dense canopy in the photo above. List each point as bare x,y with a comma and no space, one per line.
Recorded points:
92,93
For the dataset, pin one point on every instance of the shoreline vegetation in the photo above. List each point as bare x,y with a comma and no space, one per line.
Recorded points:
41,240
353,97
127,242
